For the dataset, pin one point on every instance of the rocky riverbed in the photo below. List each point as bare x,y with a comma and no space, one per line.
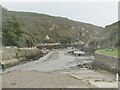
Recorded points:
58,69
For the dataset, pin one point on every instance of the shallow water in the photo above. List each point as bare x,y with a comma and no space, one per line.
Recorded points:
55,60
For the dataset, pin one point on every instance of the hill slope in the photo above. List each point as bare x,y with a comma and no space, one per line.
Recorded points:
28,29
110,36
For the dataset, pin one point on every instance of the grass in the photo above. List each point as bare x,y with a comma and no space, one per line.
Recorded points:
110,52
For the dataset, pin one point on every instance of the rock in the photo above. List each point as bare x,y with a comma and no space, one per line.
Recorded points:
87,80
103,80
80,66
88,83
8,71
13,83
97,80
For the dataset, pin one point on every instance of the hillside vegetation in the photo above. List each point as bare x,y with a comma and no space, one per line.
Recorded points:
24,29
110,36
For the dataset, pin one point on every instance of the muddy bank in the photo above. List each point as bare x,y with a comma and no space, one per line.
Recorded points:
37,79
70,78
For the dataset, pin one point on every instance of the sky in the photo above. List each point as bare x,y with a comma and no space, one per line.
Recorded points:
97,12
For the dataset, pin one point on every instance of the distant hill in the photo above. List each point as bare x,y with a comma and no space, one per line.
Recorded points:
28,29
110,35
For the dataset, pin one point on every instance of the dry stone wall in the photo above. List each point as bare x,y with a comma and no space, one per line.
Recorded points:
12,53
105,62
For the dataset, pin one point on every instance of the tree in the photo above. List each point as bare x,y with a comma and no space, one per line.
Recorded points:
65,40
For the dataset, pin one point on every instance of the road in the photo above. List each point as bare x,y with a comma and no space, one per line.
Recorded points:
53,71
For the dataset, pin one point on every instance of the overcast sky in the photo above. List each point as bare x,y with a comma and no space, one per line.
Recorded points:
97,13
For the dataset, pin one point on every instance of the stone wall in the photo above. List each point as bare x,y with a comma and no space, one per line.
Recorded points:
12,56
8,53
105,62
12,53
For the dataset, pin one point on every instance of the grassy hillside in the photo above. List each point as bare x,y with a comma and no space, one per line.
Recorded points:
28,29
110,35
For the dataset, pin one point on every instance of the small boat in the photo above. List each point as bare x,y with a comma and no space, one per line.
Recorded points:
78,52
70,49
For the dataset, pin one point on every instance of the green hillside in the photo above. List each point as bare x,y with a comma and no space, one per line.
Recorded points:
24,29
110,35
